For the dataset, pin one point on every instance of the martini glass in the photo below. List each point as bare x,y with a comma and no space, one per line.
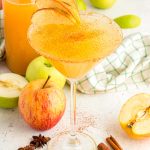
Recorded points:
74,50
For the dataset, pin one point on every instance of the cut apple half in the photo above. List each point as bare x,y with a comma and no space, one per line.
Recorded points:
67,7
135,116
46,16
11,86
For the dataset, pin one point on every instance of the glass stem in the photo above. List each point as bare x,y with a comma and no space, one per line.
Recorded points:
73,108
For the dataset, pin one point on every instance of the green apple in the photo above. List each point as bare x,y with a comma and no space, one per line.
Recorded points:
40,68
11,86
103,4
128,21
81,4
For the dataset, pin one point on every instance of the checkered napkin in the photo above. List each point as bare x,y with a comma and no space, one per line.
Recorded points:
128,67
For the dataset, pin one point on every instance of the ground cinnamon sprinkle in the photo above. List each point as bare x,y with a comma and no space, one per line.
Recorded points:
85,120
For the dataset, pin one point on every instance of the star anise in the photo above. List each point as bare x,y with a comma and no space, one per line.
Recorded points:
29,147
39,141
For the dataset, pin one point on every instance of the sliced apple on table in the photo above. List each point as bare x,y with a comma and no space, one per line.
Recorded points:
11,86
135,116
68,8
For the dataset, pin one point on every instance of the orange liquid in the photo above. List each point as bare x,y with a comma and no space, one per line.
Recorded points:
73,70
17,14
75,49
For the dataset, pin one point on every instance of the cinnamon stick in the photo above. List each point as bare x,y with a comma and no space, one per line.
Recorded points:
102,146
113,143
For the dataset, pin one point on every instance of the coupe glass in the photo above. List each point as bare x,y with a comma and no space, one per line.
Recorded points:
74,50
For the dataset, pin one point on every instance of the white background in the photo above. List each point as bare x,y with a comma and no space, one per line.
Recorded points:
103,108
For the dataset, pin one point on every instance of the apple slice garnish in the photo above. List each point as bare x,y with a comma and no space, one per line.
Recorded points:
135,116
46,26
50,16
68,7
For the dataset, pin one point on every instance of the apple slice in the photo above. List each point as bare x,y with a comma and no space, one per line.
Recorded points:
135,116
50,16
71,6
68,7
11,86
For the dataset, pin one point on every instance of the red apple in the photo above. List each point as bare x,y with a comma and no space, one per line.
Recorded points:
42,107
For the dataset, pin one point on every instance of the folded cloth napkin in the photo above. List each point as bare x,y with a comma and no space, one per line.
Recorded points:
127,68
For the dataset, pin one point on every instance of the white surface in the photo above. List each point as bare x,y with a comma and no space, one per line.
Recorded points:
124,7
104,108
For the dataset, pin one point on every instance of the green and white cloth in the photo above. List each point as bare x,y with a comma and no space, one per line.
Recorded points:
128,67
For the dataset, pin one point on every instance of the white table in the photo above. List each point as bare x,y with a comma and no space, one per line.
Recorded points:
102,108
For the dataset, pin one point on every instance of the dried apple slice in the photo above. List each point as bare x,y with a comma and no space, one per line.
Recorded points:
69,7
50,16
135,116
45,27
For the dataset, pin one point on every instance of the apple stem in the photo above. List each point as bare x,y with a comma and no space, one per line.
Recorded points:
46,81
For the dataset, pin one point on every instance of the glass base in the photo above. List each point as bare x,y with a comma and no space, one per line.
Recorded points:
66,141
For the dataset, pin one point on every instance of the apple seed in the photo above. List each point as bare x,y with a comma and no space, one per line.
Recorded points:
8,84
139,116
